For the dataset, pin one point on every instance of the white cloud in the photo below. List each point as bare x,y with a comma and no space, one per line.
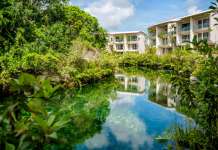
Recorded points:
124,124
193,6
111,13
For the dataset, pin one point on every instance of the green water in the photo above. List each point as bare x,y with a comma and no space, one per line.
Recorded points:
125,112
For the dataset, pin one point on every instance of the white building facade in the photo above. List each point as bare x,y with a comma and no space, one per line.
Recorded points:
167,35
121,42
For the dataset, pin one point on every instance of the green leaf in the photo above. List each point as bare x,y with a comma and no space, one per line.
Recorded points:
35,105
51,120
41,122
9,146
53,135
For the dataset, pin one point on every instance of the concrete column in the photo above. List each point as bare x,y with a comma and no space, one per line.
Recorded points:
157,37
125,43
158,42
178,41
191,29
169,30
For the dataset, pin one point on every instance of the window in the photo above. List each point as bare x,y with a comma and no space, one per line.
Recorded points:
206,23
199,24
165,41
111,39
203,36
199,37
119,46
133,80
185,38
206,36
132,38
119,38
203,23
185,27
153,42
132,46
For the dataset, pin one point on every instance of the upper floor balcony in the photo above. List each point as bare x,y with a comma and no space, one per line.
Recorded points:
119,39
132,38
202,25
163,34
152,35
185,28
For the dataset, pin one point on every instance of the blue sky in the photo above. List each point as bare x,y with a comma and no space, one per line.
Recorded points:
131,15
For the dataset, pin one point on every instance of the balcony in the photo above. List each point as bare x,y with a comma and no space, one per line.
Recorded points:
172,33
132,38
119,40
203,28
163,34
152,35
185,30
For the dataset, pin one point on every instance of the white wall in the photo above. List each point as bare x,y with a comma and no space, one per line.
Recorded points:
141,42
214,28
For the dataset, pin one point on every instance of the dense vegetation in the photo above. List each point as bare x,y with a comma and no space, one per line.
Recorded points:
46,37
43,50
48,117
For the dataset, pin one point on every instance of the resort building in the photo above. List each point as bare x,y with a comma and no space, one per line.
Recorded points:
165,36
121,42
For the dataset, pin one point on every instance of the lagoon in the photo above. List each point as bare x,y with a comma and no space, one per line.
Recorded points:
142,110
128,111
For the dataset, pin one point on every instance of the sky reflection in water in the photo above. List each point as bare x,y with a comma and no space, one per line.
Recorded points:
134,120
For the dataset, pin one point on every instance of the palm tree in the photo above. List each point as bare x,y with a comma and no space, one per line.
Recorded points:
214,7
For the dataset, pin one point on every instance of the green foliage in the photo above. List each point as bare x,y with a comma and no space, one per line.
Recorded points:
200,101
177,60
68,118
35,36
31,86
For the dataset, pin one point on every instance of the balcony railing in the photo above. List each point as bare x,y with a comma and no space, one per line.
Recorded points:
172,33
119,40
185,40
133,40
152,34
201,27
185,29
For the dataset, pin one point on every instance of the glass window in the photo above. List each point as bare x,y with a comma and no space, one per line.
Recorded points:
206,36
132,46
185,38
135,46
199,36
165,41
119,39
119,46
199,24
185,27
206,23
132,38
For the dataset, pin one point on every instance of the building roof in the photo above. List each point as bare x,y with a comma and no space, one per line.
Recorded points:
125,32
180,18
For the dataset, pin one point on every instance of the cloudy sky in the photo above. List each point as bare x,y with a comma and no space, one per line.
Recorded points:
127,15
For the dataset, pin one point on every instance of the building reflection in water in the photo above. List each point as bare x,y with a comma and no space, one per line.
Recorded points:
158,90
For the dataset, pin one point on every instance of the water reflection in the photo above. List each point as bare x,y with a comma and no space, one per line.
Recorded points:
135,120
131,84
158,90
